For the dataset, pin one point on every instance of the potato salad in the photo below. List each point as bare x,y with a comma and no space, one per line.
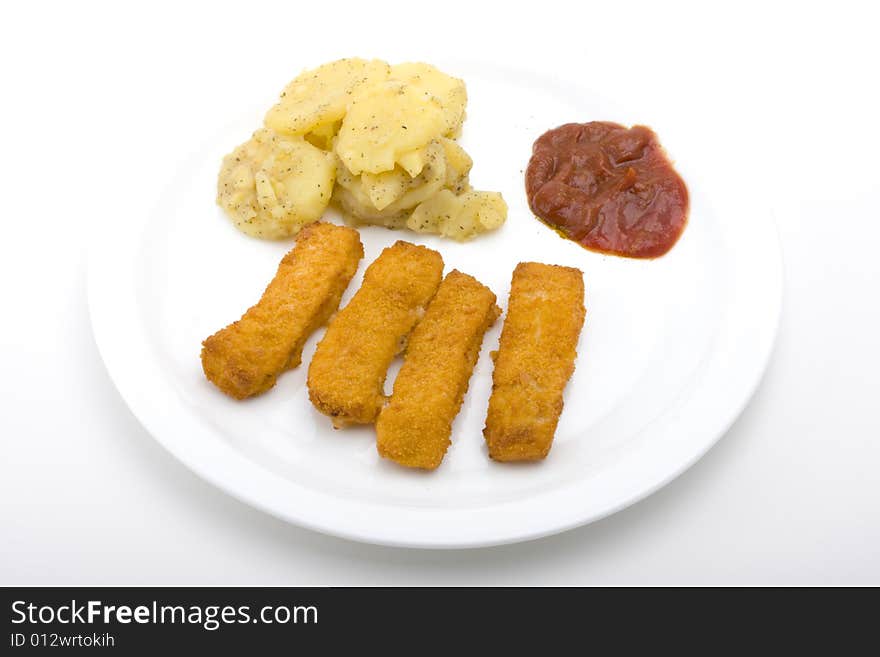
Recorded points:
378,141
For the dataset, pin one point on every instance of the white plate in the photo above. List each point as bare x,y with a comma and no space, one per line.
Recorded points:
670,353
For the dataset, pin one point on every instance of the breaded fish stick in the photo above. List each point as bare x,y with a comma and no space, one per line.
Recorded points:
534,361
246,357
413,429
347,373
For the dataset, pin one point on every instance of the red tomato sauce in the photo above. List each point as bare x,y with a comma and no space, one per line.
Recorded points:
607,187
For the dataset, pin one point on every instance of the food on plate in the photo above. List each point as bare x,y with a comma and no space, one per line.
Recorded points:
272,185
450,93
347,373
377,139
396,153
610,188
245,358
460,216
413,429
385,122
317,99
534,361
388,199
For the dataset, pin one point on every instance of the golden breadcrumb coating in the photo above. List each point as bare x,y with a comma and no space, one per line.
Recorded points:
246,357
414,428
534,361
347,373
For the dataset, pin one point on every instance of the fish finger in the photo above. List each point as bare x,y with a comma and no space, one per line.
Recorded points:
245,358
535,360
347,373
414,428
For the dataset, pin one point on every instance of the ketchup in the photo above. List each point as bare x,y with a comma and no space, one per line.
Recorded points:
609,188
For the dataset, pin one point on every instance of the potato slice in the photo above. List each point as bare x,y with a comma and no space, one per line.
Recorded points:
322,136
460,217
386,187
356,197
355,202
414,161
384,122
319,97
448,91
458,166
271,186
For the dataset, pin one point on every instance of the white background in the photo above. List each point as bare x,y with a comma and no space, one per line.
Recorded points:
100,102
